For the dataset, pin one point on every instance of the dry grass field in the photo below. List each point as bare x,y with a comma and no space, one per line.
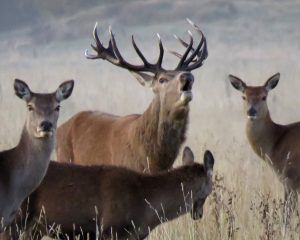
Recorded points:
251,39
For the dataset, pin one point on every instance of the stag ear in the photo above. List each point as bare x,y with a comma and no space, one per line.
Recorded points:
208,162
64,90
22,90
237,83
188,156
272,82
144,79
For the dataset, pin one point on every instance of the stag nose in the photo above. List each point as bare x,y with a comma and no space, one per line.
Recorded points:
252,112
186,80
46,126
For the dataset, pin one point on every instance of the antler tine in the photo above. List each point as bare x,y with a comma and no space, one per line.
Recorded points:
196,51
187,51
175,53
185,44
113,55
161,51
201,55
138,51
102,52
95,35
181,41
123,63
198,55
98,45
89,56
115,47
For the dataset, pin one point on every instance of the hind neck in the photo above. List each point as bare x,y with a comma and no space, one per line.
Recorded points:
32,156
263,135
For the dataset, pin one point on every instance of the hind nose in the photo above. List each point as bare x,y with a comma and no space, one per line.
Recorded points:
186,80
252,112
46,126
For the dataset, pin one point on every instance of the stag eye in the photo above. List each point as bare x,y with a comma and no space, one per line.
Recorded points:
264,98
30,108
162,80
57,108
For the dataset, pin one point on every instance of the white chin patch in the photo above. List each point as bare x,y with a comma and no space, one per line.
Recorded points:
252,117
42,134
186,96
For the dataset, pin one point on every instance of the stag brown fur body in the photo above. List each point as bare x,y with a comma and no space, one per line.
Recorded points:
136,141
277,144
121,197
148,141
23,167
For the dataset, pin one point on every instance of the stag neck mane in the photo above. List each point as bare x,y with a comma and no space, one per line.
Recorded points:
160,134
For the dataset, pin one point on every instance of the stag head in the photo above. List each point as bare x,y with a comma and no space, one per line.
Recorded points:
174,87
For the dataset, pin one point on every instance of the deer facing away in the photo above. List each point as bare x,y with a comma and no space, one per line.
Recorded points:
22,168
275,143
128,204
148,141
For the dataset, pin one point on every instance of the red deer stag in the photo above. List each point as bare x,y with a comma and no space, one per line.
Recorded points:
277,144
148,141
121,203
22,168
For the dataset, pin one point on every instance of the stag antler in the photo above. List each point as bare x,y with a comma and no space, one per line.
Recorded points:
198,55
113,55
186,63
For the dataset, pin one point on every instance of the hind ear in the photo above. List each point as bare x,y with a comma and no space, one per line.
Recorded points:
188,156
272,82
64,90
22,90
237,83
209,162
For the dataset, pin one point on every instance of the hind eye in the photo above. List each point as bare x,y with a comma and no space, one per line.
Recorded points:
243,97
264,98
57,108
162,80
30,108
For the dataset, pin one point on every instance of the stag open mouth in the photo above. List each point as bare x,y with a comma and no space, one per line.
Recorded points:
186,96
186,87
186,92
